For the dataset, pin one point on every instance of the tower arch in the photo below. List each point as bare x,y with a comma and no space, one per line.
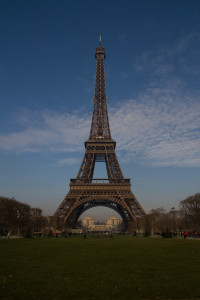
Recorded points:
113,203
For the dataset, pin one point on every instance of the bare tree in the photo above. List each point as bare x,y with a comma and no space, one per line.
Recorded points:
14,215
37,219
190,210
22,217
161,221
17,217
157,220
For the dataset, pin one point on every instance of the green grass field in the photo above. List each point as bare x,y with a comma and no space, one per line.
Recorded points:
119,268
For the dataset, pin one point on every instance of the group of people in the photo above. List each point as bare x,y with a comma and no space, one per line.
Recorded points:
195,234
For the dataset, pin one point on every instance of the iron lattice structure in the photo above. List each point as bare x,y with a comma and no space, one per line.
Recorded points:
85,191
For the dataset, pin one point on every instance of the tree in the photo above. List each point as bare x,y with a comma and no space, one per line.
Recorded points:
17,217
37,219
190,209
14,215
7,215
56,222
157,220
22,216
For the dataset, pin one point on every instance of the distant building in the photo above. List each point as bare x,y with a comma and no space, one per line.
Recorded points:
113,221
111,224
87,222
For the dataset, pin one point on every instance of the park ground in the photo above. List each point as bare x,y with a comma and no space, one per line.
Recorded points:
124,267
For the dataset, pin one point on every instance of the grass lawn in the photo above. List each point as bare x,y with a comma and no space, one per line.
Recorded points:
119,268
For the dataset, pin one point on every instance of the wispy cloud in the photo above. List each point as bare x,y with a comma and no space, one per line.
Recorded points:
181,56
47,131
155,129
68,161
158,133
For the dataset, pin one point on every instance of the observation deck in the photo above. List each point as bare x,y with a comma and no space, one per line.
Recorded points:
100,184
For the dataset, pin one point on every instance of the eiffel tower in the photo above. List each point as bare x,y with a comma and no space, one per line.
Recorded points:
87,192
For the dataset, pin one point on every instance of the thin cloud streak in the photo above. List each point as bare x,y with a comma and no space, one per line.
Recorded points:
68,161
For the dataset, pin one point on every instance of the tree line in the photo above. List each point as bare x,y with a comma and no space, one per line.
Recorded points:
186,218
21,219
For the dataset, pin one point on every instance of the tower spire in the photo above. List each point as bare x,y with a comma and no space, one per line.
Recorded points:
100,128
100,40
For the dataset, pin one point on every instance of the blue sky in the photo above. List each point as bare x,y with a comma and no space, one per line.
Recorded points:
47,77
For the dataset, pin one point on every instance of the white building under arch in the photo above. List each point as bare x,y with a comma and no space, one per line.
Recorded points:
111,224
